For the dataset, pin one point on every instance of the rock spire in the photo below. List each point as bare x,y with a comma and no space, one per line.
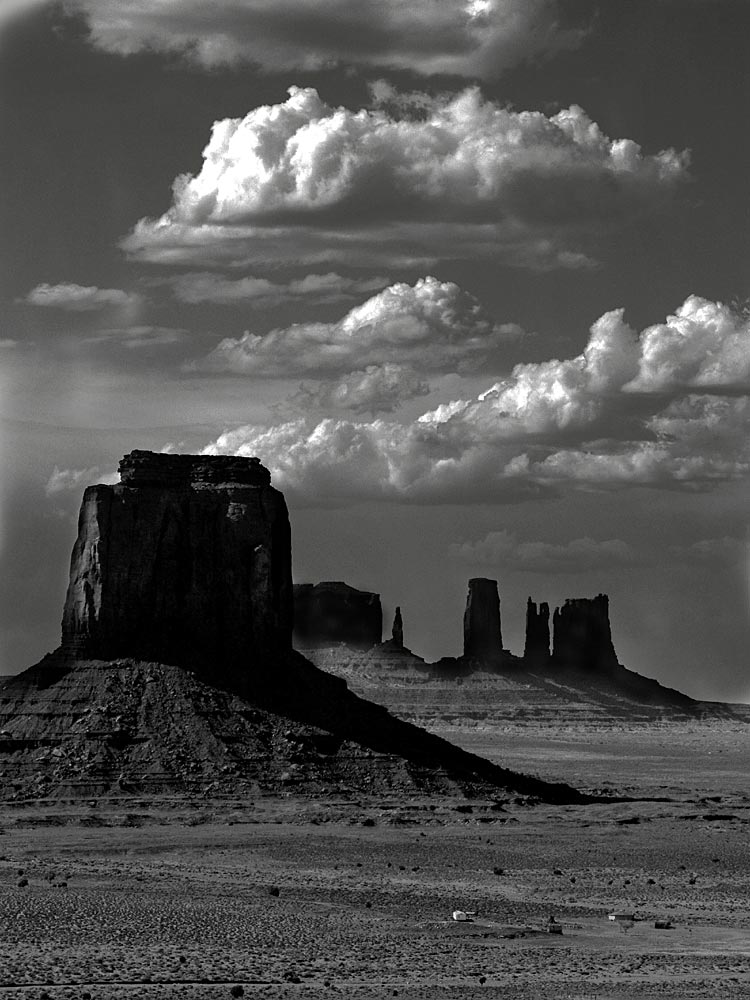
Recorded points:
536,649
397,632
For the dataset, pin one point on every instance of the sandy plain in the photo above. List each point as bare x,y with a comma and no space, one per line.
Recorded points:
295,897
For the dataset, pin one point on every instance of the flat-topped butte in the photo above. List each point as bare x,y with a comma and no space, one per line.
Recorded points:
149,468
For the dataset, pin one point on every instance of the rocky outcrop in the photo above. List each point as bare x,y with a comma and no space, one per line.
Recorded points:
458,692
483,639
582,636
397,632
536,650
123,727
186,561
332,612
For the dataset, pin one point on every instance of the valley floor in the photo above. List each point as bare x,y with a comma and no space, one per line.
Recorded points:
174,899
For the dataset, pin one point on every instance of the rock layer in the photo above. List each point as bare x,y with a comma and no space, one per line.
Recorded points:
482,634
333,612
123,727
473,703
186,561
82,727
582,636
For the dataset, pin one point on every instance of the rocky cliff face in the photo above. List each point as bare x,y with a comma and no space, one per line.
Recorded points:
536,649
582,637
482,635
333,612
186,561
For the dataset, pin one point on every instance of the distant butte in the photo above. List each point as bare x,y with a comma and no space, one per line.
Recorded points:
332,612
583,635
564,678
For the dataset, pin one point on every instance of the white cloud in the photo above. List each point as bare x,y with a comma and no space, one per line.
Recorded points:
81,298
305,182
377,389
548,425
580,555
208,287
395,245
705,345
432,324
73,480
460,462
465,37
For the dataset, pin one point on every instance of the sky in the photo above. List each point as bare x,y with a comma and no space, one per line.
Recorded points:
469,276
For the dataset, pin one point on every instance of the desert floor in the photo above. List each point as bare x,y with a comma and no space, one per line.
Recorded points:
129,898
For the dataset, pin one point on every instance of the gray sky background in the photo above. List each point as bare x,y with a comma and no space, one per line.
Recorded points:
470,277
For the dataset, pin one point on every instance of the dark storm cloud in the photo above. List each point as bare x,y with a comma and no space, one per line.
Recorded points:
304,182
464,37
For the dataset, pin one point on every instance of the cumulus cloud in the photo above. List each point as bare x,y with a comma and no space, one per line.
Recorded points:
303,181
580,555
80,298
546,426
320,288
704,345
449,461
432,324
465,37
377,389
